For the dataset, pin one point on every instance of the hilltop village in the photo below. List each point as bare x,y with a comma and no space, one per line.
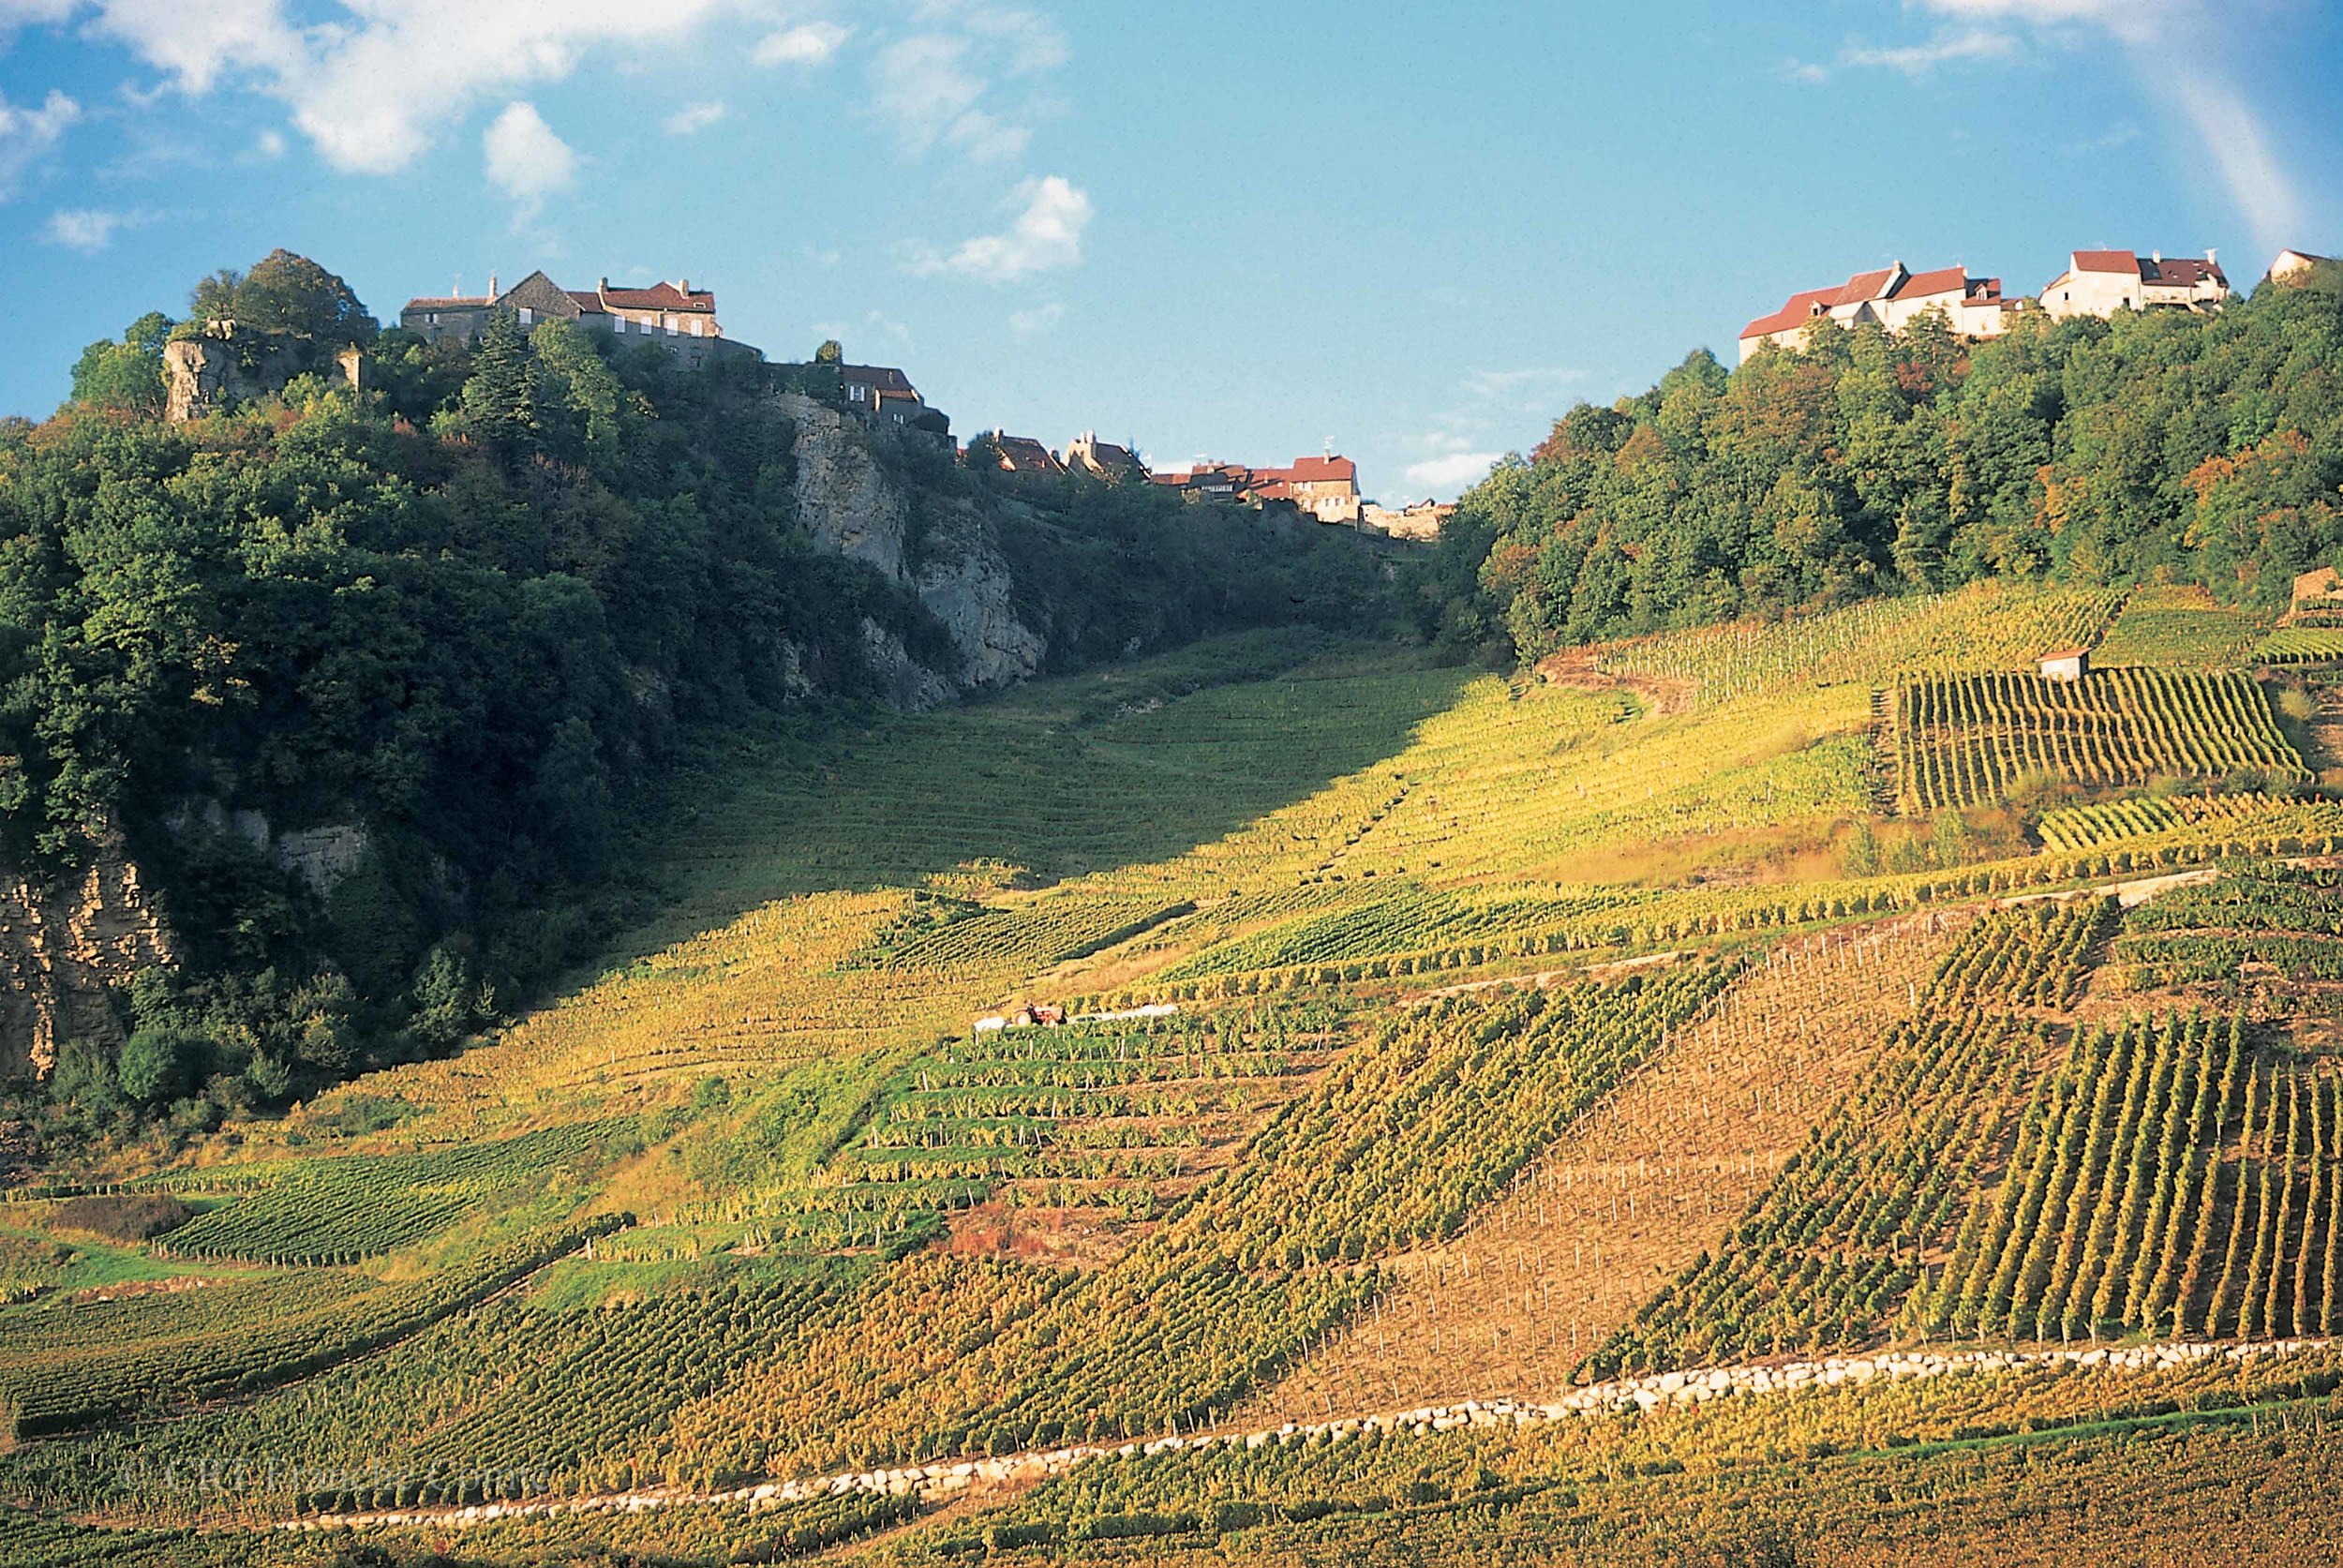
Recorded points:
683,319
2094,283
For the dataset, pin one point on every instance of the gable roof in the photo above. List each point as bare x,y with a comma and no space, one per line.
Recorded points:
660,296
1805,306
878,377
2124,261
1312,470
2181,271
1927,285
1023,455
450,302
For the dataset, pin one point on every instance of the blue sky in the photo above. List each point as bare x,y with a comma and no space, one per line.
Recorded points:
1236,230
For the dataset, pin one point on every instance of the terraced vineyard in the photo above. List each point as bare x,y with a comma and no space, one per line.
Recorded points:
1965,741
1827,1256
2300,644
1529,1030
346,1210
2178,625
2091,827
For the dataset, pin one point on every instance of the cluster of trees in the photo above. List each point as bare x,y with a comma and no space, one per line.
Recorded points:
2202,448
476,617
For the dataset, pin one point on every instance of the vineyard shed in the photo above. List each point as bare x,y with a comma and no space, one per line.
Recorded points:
2067,664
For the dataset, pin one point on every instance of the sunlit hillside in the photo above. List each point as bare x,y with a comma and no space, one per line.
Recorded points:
1488,1107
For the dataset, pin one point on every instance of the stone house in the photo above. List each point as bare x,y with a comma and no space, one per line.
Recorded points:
1205,482
1087,454
1027,459
677,317
2067,664
1892,298
2102,282
1327,488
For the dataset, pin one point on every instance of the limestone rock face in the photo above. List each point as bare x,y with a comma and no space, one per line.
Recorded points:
849,503
61,947
908,683
211,375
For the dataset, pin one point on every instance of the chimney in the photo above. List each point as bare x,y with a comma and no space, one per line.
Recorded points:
683,286
492,286
2212,257
2157,256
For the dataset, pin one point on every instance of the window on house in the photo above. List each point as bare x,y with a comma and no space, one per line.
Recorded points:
528,316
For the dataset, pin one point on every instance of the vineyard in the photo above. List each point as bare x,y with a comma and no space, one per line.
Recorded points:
1651,1176
361,1206
1530,1030
1988,626
2165,1179
2300,644
2269,932
2093,827
2177,625
1967,740
1831,1250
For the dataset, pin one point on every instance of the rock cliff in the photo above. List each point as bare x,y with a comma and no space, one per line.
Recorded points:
213,374
937,546
60,948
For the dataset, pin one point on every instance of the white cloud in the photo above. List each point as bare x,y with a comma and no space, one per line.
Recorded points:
373,89
526,160
2185,51
27,134
936,87
84,229
1041,317
921,86
197,45
25,13
810,43
1530,388
270,144
692,118
1451,474
1973,43
1046,236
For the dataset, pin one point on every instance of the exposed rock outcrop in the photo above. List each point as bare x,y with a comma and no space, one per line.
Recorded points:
61,947
231,366
849,500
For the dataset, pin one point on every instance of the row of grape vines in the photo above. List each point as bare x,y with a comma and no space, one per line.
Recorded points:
1965,741
1836,1243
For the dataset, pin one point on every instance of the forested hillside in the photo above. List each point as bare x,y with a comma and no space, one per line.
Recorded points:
2205,448
384,690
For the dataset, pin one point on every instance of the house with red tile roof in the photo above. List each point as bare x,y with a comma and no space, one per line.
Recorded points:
1327,488
2102,282
1892,298
676,316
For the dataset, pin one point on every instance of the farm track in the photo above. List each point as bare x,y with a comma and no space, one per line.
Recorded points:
975,1480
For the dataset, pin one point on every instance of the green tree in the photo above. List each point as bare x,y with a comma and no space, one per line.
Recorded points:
286,292
126,377
155,1065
